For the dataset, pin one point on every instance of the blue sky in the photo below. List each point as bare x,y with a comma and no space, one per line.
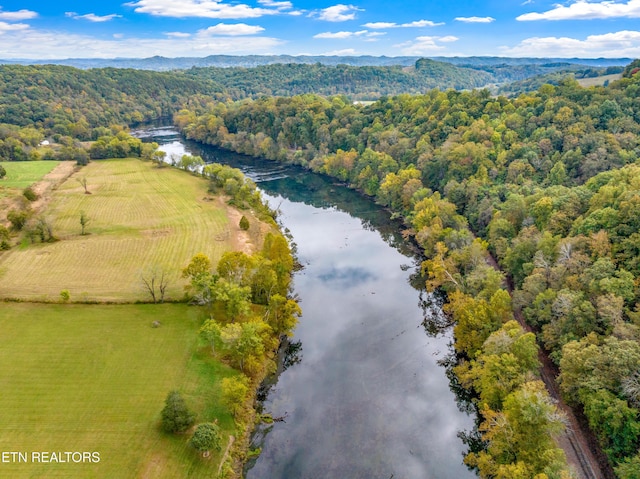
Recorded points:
33,29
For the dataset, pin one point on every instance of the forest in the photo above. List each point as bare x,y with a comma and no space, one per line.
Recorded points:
545,182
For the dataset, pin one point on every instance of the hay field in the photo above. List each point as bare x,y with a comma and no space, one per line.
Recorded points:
140,217
94,378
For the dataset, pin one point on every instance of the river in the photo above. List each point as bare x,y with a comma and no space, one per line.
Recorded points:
362,390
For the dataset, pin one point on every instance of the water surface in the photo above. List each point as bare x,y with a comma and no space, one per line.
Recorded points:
363,395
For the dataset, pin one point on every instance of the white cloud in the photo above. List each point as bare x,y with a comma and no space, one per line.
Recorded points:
92,17
416,24
340,35
284,7
583,10
12,27
40,44
425,45
380,25
200,8
612,45
475,19
178,34
338,13
19,15
238,29
340,53
274,4
118,35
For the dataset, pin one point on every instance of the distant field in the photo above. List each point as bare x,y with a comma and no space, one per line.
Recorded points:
21,174
599,81
94,378
140,217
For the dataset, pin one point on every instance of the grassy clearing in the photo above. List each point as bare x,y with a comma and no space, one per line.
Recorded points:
21,174
94,378
140,217
598,81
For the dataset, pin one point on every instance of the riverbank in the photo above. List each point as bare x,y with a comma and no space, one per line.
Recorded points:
142,225
359,292
443,269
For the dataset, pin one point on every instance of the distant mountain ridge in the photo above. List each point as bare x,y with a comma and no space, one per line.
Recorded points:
159,63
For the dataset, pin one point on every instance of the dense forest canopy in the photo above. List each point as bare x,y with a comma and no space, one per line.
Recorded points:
372,82
548,181
69,101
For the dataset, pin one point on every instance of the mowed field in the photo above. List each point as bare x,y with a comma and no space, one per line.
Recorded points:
94,378
140,218
21,174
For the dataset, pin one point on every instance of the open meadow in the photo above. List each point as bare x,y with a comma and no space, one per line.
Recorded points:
94,378
21,174
140,218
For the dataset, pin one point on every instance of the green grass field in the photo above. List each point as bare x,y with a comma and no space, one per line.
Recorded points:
140,217
94,378
21,174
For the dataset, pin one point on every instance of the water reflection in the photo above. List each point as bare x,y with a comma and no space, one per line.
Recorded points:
370,397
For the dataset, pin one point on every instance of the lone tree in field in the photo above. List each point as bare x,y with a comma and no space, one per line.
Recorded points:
155,281
206,437
83,182
84,221
3,172
244,223
176,417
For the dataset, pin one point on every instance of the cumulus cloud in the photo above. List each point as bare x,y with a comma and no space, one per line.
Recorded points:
19,15
424,45
583,10
340,35
40,44
92,17
11,27
616,44
204,9
338,13
416,24
475,19
238,29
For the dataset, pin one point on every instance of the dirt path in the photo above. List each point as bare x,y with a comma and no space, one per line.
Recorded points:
42,188
578,442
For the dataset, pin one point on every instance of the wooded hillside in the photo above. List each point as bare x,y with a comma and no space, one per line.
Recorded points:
548,181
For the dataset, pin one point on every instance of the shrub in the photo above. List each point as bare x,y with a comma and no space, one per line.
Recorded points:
18,219
244,223
29,194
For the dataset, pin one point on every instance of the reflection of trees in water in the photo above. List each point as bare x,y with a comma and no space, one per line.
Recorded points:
292,354
301,186
472,439
289,354
435,321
